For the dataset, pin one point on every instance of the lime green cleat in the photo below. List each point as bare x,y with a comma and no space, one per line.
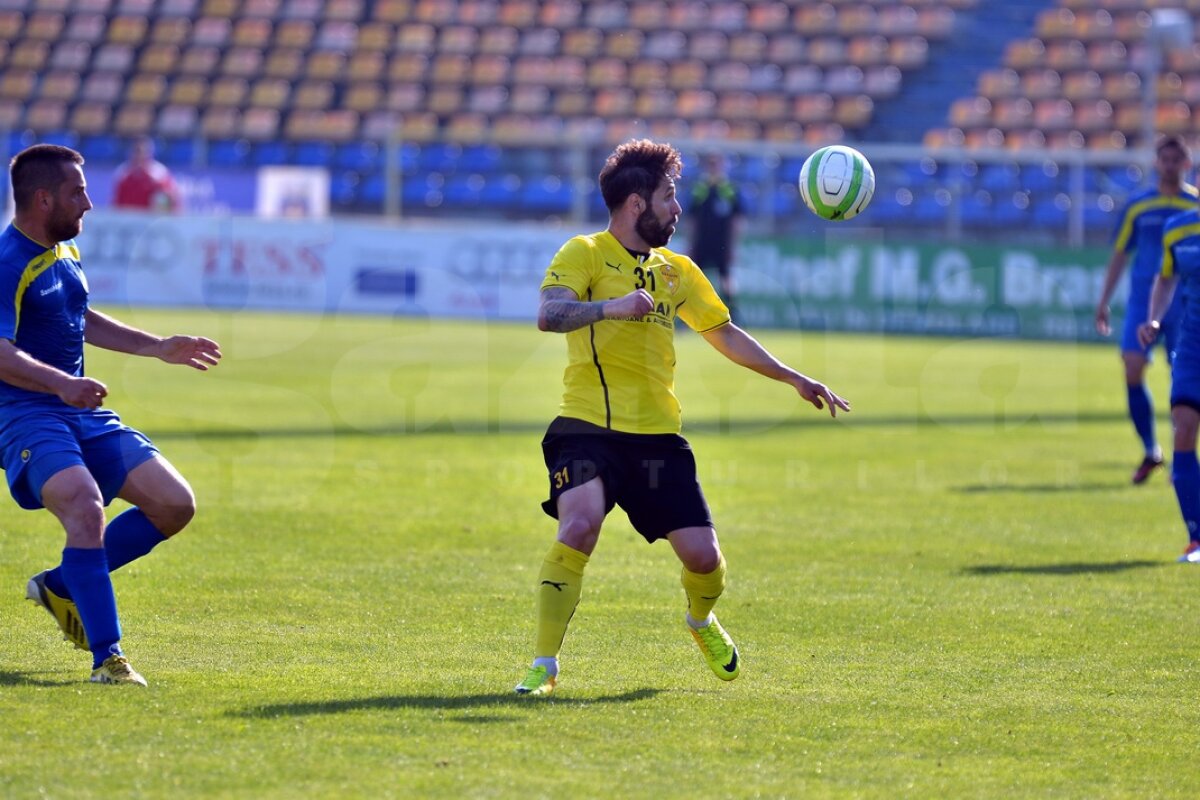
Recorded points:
538,683
64,611
719,650
116,669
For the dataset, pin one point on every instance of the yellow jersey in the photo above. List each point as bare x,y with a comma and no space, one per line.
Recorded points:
621,372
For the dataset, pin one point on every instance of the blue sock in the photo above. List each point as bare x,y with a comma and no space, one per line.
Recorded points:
1141,411
85,572
127,538
1185,474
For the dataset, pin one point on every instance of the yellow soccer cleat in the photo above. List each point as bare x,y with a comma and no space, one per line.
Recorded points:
116,669
538,683
719,650
64,611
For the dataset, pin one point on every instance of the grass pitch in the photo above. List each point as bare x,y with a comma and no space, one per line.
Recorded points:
951,592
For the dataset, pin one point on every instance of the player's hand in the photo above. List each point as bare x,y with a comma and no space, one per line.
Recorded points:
1148,332
83,393
193,351
1102,326
820,396
636,304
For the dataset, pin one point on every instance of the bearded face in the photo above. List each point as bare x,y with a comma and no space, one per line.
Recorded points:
654,231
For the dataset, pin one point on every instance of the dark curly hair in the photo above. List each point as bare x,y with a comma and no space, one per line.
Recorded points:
39,167
1172,140
638,167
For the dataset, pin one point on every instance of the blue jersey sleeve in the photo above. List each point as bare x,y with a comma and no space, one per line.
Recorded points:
1123,239
10,283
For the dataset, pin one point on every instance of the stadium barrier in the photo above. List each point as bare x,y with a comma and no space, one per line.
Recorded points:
846,280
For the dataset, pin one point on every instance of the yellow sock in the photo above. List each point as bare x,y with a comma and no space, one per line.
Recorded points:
703,590
559,585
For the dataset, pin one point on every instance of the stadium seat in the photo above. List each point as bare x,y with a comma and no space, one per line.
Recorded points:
252,32
284,64
311,153
228,92
146,89
46,115
199,60
228,153
59,85
134,120
270,152
46,27
313,95
100,87
113,58
96,146
177,121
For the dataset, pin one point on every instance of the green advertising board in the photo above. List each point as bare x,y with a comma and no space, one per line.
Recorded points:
864,282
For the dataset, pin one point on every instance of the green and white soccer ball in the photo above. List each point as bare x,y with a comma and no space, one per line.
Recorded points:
837,182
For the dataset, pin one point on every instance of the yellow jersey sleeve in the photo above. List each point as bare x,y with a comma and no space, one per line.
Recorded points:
573,267
702,308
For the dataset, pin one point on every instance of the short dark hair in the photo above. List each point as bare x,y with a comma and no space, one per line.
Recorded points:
39,167
1172,140
638,167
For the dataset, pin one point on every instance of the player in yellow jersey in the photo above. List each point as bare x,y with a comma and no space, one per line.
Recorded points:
616,295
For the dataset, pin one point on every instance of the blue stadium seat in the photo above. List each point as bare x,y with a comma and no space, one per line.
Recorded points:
313,154
373,190
547,195
1034,178
885,209
463,191
785,201
1047,214
177,152
271,153
228,153
483,158
343,188
977,209
359,156
998,178
105,148
499,194
440,157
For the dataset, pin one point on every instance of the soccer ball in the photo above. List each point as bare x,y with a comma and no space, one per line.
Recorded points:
837,182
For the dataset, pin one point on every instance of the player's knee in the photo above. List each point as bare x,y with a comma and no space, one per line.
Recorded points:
83,518
172,513
579,531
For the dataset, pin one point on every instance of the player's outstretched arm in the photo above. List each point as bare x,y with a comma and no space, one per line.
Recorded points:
1116,265
193,351
561,310
23,370
742,348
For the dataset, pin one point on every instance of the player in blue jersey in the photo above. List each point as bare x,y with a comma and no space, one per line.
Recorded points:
60,448
1140,232
1181,266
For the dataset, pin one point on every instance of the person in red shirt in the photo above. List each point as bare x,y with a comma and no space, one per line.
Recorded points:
143,182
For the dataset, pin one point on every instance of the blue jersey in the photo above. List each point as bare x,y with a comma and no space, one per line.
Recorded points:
1141,230
43,300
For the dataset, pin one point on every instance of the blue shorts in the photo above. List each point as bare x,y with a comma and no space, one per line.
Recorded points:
1135,314
39,442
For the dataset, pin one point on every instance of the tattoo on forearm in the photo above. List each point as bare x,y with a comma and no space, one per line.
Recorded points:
568,315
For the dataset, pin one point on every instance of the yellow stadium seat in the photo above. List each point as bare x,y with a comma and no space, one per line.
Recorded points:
461,39
499,41
284,63
261,9
467,127
853,111
188,90
345,10
689,74
445,99
648,75
87,118
46,115
159,58
270,93
294,33
366,66
313,95
325,65
146,89
252,32
583,42
1082,85
624,44
363,97
228,91
220,122
375,36
573,104
1023,54
394,11
245,62
134,120
971,112
59,86
519,13
405,97
453,69
750,47
29,54
490,69
171,30
199,60
416,38
260,124
45,26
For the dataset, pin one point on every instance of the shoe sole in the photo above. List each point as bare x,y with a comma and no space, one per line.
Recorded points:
33,593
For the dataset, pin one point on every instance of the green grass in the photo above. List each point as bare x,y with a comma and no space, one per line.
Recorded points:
951,592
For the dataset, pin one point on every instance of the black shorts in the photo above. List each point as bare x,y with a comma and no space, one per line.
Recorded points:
652,476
